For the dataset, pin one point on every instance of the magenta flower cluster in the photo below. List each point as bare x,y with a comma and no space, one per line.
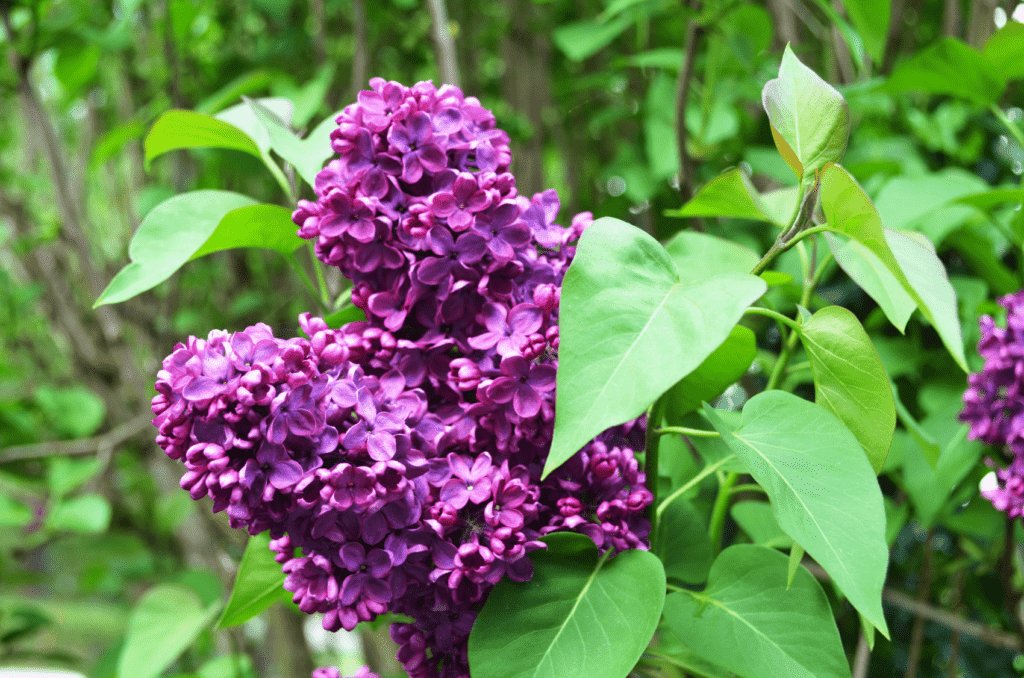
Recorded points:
403,454
994,403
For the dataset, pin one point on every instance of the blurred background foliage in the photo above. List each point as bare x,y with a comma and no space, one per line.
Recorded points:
590,91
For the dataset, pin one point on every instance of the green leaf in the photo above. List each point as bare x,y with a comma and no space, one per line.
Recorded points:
87,513
344,316
728,195
1005,50
923,203
167,619
987,199
713,449
258,584
66,474
749,622
756,519
14,513
925,442
808,113
699,256
796,554
265,226
822,489
849,379
949,67
928,280
72,412
871,19
625,308
867,270
720,370
682,542
306,156
930,488
244,118
580,616
583,39
781,204
170,234
187,129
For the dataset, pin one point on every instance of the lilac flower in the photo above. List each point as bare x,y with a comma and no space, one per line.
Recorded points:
418,145
471,482
375,431
460,203
522,383
369,571
508,331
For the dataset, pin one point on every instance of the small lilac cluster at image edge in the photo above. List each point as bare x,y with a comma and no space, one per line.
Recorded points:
994,403
403,454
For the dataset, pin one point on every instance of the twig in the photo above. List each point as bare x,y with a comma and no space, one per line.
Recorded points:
444,44
318,14
954,643
991,636
862,659
693,34
924,587
106,440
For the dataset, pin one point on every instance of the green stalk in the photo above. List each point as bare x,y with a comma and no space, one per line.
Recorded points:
690,484
683,430
719,509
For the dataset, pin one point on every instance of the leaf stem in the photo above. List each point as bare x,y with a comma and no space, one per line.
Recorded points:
683,430
748,487
690,484
325,297
757,310
719,509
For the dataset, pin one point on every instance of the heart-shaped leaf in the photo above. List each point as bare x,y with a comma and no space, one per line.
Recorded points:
822,489
749,621
580,616
682,542
625,308
850,380
720,370
167,619
699,256
258,584
807,113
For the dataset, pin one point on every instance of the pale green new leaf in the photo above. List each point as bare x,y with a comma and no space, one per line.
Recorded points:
187,129
258,584
808,113
730,194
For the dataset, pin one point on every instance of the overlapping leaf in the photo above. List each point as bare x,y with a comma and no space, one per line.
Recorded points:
580,616
849,379
258,584
749,621
624,309
823,491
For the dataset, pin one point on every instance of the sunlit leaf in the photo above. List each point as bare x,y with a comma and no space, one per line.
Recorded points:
258,584
949,67
187,129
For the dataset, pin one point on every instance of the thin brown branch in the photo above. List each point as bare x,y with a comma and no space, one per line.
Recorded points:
686,179
861,660
924,588
444,44
107,440
991,636
360,61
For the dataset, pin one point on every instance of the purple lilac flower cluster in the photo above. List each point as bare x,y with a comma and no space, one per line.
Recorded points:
403,454
994,403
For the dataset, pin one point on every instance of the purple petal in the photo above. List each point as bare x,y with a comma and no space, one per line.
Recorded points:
542,377
202,388
352,555
419,127
525,319
433,158
526,401
502,390
285,474
381,446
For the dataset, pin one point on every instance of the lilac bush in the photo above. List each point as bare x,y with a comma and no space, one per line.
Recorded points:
994,403
403,454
